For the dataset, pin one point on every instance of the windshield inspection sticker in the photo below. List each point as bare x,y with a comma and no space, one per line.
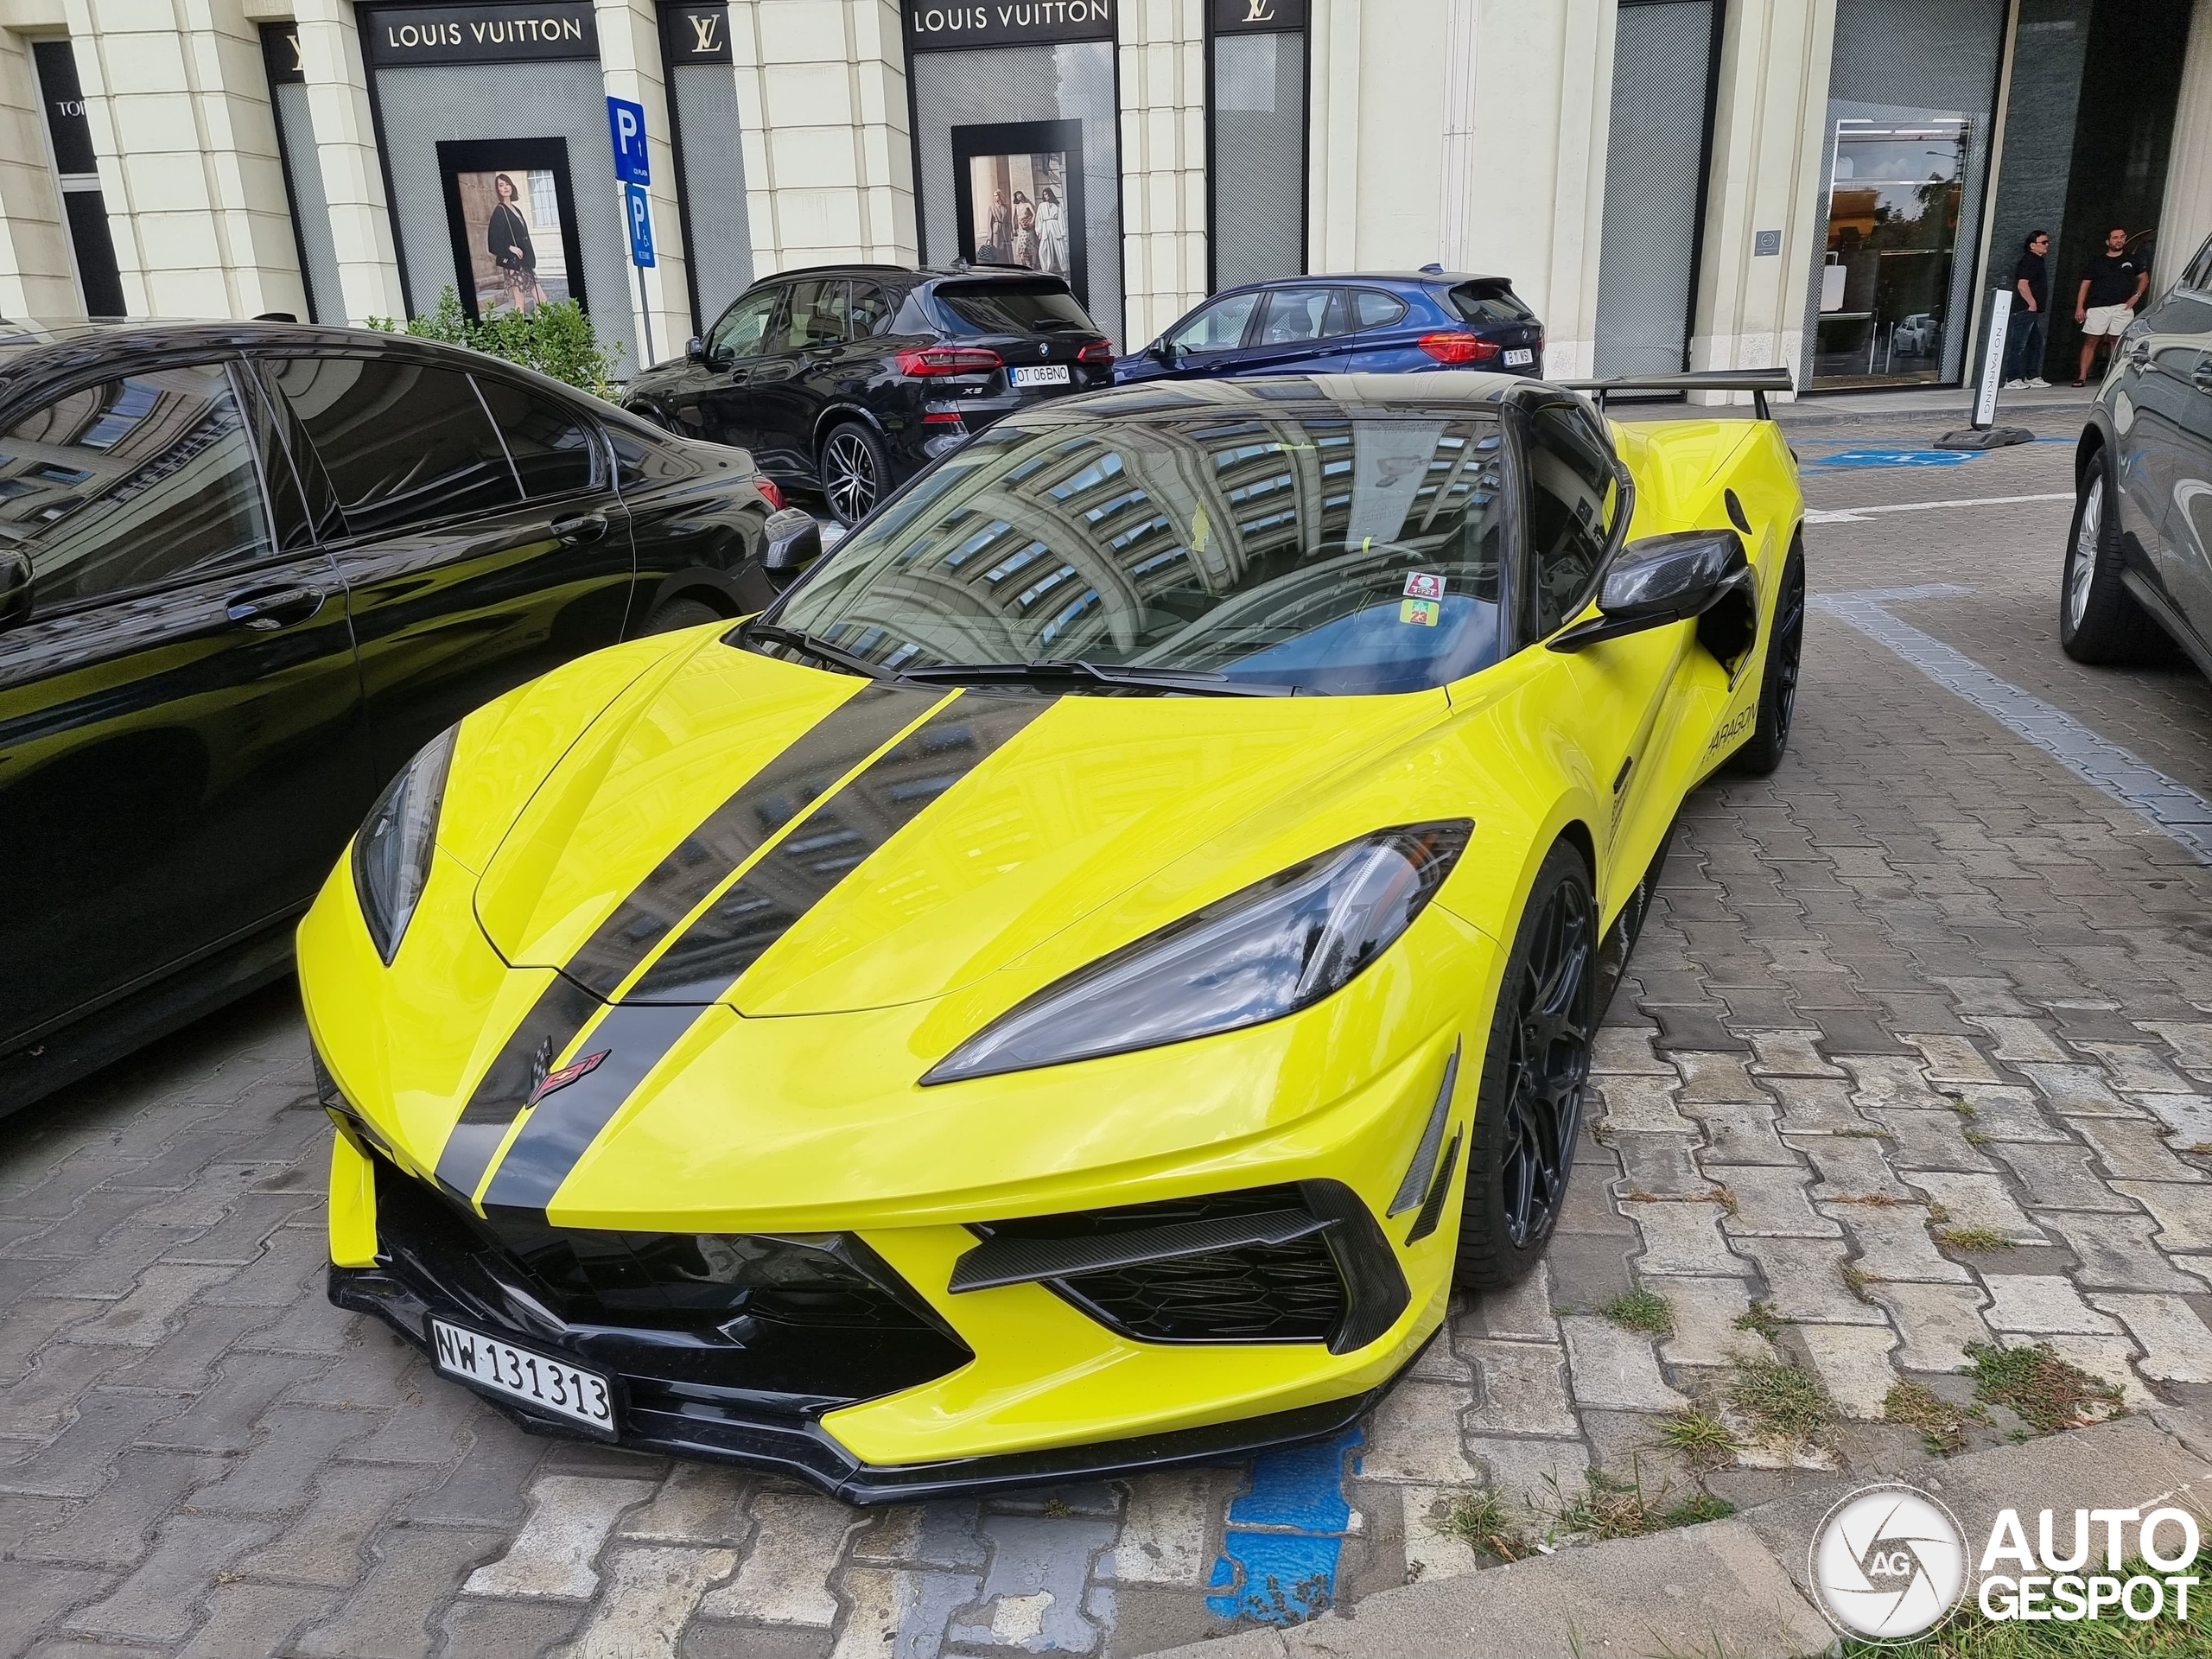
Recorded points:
1423,611
1423,585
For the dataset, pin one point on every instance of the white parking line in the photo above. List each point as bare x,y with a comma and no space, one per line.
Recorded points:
2170,805
1860,515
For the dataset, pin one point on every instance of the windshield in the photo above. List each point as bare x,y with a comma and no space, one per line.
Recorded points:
1338,554
1012,306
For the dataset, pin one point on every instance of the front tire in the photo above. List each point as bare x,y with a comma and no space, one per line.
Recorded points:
1763,750
855,472
1536,1067
2098,620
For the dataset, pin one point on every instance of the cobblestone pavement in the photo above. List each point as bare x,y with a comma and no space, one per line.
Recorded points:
1925,977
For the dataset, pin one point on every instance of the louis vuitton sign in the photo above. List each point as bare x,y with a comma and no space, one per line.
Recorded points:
695,34
396,35
933,26
1257,17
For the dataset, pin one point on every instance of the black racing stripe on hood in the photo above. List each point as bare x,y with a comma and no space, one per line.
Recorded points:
837,836
562,1125
779,792
561,1011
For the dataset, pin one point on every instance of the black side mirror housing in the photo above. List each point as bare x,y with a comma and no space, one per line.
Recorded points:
696,349
792,543
1162,349
15,587
1661,580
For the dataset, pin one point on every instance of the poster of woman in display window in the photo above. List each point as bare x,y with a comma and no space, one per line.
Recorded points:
512,224
1020,190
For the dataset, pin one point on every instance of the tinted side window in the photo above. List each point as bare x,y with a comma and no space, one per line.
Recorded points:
1219,327
816,316
1377,309
1572,492
403,443
130,483
744,326
870,308
1298,313
551,446
2199,274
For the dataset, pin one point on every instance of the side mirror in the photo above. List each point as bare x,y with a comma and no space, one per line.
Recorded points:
794,541
1666,579
15,587
696,349
1163,350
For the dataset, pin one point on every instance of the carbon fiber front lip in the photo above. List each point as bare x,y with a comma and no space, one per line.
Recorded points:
797,1446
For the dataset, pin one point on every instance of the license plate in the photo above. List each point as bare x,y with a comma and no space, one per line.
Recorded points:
1042,374
540,1380
1519,357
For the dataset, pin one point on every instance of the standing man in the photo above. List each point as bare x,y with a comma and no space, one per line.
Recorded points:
2106,302
2030,304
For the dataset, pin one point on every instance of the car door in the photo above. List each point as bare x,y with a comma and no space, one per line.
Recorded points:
1386,332
716,404
180,753
1212,341
1605,699
483,543
2166,444
1299,330
795,378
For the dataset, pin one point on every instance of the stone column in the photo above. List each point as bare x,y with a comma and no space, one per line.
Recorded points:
828,162
1769,127
2187,218
37,278
630,63
1164,163
346,150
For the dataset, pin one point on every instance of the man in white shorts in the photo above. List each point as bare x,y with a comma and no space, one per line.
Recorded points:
2105,304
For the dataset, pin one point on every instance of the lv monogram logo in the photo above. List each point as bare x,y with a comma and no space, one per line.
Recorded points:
1259,11
705,28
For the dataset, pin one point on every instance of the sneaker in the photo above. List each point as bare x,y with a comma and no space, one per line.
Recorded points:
2037,380
2016,386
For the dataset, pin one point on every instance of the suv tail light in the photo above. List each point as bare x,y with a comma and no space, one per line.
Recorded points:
1452,346
1098,352
770,494
932,360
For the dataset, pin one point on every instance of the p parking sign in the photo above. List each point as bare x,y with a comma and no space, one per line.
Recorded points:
637,208
626,126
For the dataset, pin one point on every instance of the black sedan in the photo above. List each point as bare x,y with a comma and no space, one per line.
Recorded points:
246,572
2138,563
852,378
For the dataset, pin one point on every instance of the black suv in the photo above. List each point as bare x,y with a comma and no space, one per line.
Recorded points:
852,378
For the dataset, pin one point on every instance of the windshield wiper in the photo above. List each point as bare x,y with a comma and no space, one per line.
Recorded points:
814,646
1149,679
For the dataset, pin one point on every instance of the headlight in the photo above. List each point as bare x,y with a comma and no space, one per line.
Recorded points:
1272,949
391,855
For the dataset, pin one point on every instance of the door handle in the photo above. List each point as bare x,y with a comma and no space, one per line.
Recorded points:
274,608
584,527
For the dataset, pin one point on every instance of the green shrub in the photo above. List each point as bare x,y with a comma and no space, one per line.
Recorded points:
557,340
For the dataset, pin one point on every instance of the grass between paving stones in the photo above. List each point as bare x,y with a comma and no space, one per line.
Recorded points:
1761,1320
1478,1520
1781,1401
2045,1392
1973,1239
1856,1278
1609,1508
1970,1635
1642,1310
1701,1440
1941,1423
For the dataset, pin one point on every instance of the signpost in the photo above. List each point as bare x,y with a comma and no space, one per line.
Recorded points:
1984,432
625,126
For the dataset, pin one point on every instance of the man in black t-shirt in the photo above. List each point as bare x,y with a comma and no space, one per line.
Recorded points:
2024,342
2106,303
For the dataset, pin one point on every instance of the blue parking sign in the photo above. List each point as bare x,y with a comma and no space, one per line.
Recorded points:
625,124
638,209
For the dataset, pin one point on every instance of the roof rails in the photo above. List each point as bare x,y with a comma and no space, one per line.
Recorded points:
1758,382
844,265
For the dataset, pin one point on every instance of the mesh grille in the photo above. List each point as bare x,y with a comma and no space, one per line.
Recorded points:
1268,1293
1653,160
716,221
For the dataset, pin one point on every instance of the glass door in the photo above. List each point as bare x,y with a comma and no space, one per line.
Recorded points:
1893,234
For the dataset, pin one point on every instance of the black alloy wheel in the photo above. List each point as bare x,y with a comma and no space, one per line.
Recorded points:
1762,752
1535,1068
2100,622
854,472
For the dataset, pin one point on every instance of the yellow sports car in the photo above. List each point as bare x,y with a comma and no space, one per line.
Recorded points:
1073,984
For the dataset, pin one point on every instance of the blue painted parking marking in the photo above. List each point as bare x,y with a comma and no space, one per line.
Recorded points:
1285,1534
1866,458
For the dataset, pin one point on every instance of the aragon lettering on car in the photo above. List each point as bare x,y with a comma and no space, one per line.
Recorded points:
896,787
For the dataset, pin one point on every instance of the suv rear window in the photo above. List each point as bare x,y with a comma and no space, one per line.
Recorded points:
1493,301
1013,308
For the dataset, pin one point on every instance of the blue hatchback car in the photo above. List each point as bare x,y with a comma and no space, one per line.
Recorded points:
1385,323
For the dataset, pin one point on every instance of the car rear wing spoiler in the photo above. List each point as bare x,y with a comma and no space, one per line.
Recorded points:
1758,382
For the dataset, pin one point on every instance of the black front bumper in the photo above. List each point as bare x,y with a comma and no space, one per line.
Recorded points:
783,1436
